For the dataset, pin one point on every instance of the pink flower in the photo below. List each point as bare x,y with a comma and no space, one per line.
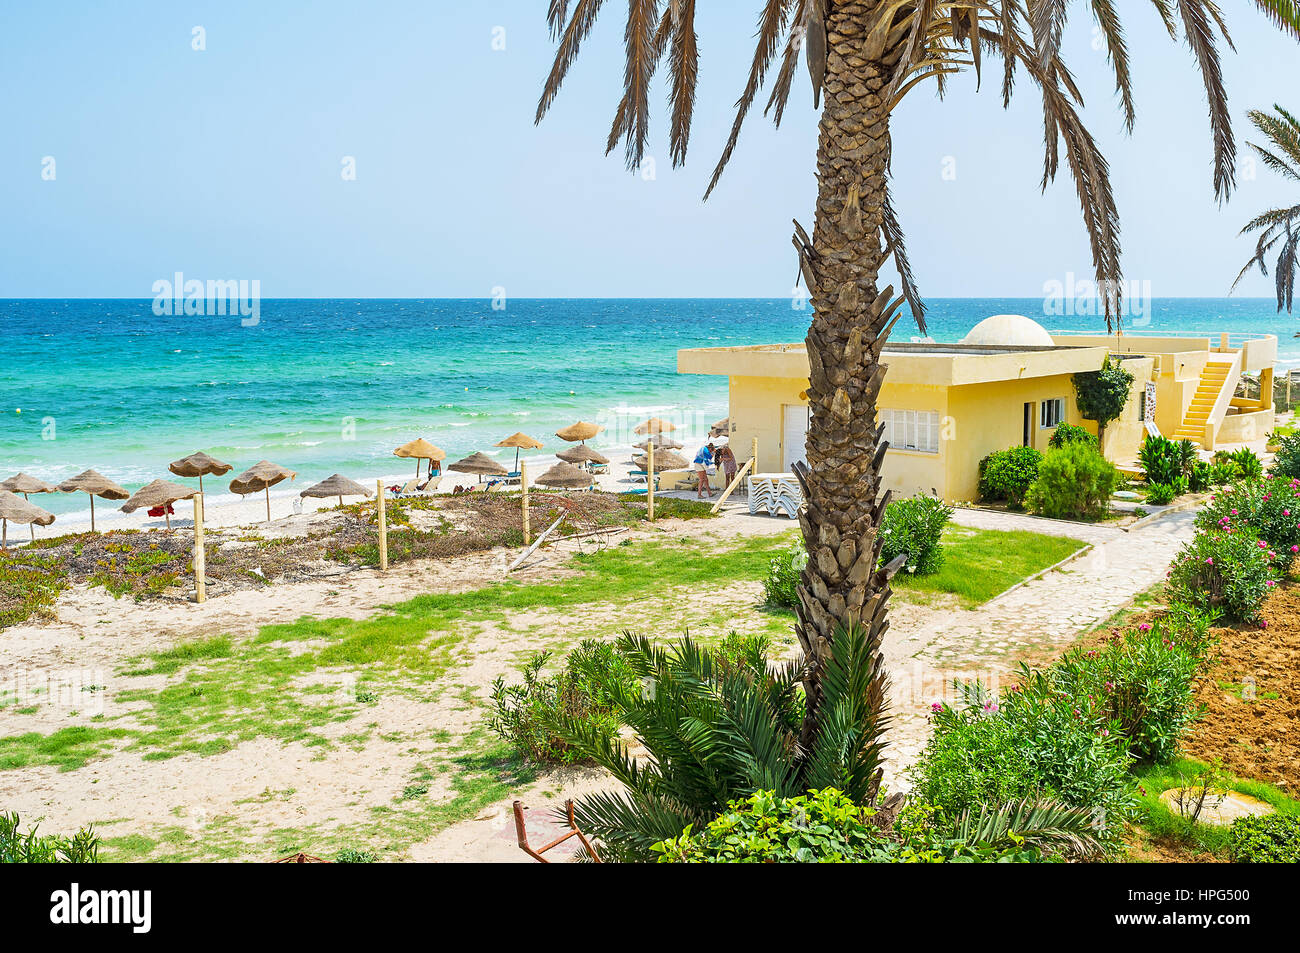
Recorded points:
1295,549
1144,627
1270,583
1286,512
1263,545
1209,560
935,706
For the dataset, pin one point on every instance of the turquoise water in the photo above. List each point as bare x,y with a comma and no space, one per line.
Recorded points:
334,385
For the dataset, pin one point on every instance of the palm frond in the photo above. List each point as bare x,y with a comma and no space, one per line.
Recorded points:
1048,825
584,18
1285,14
685,75
1109,23
1198,29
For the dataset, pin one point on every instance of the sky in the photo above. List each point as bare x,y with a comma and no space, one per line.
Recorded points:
228,162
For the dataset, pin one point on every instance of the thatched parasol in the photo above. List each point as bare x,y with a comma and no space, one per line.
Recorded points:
666,460
661,443
336,485
420,449
95,484
159,493
479,463
520,441
655,425
199,464
576,433
24,484
14,509
565,475
581,454
260,477
721,428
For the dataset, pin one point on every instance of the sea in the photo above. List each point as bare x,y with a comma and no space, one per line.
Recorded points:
334,385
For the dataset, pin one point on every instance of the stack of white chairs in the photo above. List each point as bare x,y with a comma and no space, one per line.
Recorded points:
776,494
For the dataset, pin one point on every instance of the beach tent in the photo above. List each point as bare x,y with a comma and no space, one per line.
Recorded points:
520,441
660,442
95,484
479,463
159,493
654,425
14,509
581,454
24,484
259,478
336,485
667,460
199,464
579,432
566,476
420,449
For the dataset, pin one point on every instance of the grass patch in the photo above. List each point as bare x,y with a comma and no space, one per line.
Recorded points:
978,564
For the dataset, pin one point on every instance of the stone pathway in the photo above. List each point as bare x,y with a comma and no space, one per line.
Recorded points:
1032,623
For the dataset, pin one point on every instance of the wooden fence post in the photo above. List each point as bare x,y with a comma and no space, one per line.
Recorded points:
383,526
650,479
200,556
523,483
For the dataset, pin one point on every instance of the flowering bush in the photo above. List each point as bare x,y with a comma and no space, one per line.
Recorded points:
1268,508
912,528
1225,573
1286,463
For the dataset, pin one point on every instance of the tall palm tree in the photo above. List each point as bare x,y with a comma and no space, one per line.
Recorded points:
1277,224
864,57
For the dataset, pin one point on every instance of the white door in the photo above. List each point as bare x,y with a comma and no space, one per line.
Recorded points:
795,435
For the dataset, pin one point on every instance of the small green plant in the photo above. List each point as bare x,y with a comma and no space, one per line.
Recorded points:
1245,462
781,587
1270,839
912,528
17,847
350,855
1008,475
1201,476
1069,433
1074,482
1286,462
1161,459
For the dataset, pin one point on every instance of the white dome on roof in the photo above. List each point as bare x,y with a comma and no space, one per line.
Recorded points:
1009,330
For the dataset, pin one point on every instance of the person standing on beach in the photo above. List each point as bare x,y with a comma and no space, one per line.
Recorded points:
703,460
724,458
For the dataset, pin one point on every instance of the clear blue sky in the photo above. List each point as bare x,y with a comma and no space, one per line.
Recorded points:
226,163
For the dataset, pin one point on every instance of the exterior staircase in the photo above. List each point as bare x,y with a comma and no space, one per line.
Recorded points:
1213,377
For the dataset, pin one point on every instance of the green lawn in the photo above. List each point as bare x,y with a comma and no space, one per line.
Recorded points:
980,563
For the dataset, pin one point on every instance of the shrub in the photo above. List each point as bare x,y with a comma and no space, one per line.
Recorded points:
1201,476
827,827
1140,683
1160,494
1270,839
1268,508
1286,462
1224,471
1036,743
912,528
781,587
1246,465
1073,481
350,855
1223,573
17,847
522,714
1069,433
1008,474
1102,395
1161,459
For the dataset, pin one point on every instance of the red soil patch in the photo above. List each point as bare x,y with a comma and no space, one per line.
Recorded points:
1251,694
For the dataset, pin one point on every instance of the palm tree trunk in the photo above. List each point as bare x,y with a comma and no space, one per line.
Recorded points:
840,584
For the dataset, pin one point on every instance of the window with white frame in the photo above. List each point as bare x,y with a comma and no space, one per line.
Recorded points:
911,430
1051,413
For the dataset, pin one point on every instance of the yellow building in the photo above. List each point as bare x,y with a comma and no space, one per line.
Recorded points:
1008,383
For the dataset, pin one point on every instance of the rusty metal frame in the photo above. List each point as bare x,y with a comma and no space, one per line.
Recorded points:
521,833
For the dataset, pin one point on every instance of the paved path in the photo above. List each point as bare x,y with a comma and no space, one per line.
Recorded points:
1032,623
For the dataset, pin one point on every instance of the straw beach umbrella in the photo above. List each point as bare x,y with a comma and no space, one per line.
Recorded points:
159,493
721,428
581,454
95,484
479,463
667,460
520,441
199,464
14,509
24,484
655,425
565,476
259,478
579,432
420,449
336,485
660,443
